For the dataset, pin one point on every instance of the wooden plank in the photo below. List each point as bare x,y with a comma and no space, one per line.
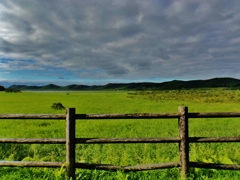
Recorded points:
126,140
70,143
213,139
33,116
215,166
33,140
127,168
184,145
31,164
121,116
126,116
214,114
152,166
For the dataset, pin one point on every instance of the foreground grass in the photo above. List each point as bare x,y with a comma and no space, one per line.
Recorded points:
120,154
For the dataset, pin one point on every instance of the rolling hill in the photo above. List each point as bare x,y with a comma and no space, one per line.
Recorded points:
170,85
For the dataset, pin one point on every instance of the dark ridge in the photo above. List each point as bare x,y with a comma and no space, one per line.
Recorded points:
75,87
50,87
170,85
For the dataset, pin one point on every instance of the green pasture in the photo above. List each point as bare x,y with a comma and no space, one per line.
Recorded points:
107,102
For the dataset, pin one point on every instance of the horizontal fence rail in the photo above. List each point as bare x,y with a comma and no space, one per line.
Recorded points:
117,140
33,116
31,164
120,116
128,168
33,140
214,115
126,116
70,141
125,140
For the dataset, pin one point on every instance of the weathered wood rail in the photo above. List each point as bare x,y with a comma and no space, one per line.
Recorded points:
70,141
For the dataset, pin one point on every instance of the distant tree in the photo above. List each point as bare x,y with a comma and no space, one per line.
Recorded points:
2,88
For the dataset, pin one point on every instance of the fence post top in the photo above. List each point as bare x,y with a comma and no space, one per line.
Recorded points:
182,109
70,110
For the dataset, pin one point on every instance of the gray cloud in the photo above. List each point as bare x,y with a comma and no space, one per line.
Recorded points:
134,39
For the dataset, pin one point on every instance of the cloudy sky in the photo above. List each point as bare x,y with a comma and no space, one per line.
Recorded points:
101,41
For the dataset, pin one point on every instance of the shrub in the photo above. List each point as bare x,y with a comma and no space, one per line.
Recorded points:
57,106
12,90
2,88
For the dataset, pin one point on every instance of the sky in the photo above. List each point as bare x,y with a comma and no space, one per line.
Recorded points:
95,42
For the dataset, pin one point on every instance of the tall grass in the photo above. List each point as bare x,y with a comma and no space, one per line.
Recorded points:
120,154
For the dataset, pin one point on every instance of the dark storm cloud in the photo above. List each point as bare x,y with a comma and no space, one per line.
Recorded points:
125,39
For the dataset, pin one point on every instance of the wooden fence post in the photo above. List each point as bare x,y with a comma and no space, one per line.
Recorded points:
70,144
184,144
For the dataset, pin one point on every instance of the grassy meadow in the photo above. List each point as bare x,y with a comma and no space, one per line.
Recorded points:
89,102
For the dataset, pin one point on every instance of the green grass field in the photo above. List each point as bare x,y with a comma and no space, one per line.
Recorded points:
215,100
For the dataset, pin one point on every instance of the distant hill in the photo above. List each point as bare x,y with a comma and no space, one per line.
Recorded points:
50,87
171,85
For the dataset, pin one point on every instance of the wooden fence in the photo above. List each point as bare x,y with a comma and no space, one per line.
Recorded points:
70,141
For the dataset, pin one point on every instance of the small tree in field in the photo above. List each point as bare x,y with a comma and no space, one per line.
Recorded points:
57,106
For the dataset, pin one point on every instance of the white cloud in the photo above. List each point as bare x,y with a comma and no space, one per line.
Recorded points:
121,39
